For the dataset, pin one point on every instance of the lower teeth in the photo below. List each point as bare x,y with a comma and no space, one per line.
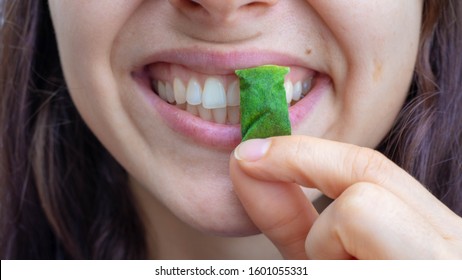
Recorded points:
229,115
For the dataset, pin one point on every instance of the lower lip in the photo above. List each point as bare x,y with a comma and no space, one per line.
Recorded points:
219,135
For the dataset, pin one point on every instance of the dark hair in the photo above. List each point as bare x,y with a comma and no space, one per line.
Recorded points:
427,138
62,195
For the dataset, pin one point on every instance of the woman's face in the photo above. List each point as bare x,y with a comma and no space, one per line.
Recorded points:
130,66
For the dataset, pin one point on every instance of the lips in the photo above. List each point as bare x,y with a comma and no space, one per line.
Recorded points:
197,93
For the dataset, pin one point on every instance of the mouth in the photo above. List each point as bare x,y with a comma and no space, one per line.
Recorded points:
197,93
215,98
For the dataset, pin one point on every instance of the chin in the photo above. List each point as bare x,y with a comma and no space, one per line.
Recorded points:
222,216
199,207
227,228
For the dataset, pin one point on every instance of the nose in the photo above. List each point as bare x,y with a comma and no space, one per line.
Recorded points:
221,10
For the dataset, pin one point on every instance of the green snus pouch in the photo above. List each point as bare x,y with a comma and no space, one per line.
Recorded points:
264,109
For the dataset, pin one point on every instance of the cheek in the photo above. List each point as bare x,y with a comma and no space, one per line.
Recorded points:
86,32
373,58
377,37
355,23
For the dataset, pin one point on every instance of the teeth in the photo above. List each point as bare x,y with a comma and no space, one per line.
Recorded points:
161,90
169,93
179,91
205,114
297,91
289,90
214,95
182,106
306,86
233,94
192,109
219,115
215,103
194,92
234,116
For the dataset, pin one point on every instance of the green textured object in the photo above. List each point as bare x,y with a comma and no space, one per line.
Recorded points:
264,109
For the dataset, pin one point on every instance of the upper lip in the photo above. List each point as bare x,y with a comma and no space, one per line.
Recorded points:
219,62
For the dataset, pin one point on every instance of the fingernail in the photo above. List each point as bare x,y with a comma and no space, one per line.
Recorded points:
252,150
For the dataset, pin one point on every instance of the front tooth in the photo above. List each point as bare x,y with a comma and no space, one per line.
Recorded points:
205,114
194,92
161,90
219,114
179,91
233,94
214,95
289,87
169,93
297,91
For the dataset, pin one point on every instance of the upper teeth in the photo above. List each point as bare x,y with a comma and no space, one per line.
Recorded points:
215,101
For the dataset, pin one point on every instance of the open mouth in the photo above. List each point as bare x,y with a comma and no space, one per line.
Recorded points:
215,98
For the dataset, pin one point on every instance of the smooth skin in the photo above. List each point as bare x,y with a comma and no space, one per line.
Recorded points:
182,189
379,211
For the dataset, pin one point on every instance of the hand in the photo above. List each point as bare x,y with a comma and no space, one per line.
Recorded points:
379,211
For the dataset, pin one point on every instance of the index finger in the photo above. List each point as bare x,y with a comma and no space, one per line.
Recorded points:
332,167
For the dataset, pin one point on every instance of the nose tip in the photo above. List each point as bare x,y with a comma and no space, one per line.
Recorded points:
220,10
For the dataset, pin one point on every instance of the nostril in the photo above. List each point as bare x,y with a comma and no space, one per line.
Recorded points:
185,4
193,3
180,3
221,9
190,8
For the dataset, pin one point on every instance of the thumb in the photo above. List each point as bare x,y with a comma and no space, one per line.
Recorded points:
279,209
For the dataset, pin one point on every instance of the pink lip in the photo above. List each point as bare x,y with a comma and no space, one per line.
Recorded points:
213,134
